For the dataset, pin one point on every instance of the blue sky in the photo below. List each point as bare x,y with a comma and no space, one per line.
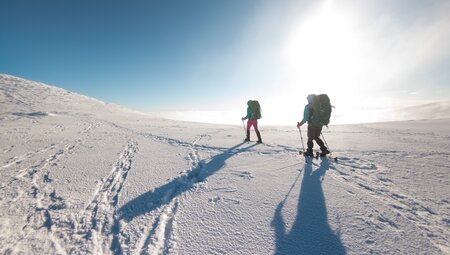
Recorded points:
144,54
215,55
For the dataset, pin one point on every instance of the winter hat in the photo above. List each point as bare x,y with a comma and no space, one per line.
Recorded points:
310,98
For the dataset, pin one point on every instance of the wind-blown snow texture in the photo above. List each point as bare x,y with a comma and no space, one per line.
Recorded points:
79,176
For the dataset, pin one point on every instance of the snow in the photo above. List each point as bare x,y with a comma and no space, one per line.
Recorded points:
79,176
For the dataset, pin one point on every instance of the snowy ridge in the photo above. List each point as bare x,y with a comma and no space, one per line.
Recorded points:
82,177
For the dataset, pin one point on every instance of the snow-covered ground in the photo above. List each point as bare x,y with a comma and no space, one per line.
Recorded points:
79,176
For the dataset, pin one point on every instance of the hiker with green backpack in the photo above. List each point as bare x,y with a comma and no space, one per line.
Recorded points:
253,114
317,114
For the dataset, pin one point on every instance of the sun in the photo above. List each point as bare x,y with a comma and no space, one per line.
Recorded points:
323,54
323,49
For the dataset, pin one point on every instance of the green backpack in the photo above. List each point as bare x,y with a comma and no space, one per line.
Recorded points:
320,110
256,110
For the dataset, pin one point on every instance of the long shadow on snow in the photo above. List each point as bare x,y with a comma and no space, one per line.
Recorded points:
310,233
154,199
160,196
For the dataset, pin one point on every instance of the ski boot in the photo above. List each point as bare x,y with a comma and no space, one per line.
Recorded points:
324,152
259,137
308,153
247,139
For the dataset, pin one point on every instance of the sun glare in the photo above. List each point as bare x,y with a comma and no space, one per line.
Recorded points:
322,55
323,50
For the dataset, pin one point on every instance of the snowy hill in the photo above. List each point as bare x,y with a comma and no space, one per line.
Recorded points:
79,176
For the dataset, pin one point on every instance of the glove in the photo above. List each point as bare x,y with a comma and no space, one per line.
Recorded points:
299,124
243,118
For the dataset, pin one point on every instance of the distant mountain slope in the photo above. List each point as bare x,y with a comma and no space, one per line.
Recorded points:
28,98
435,110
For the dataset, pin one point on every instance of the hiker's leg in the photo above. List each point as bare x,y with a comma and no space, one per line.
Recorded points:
310,134
323,148
249,124
255,125
258,134
314,133
320,143
318,131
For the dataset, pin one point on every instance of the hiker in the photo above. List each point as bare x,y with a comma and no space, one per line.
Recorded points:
253,114
315,124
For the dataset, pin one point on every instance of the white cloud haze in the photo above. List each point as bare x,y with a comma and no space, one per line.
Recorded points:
370,57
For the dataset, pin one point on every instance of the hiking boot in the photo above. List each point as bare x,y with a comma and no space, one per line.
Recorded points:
324,152
259,137
247,139
308,153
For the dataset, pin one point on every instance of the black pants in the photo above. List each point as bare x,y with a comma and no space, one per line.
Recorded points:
314,134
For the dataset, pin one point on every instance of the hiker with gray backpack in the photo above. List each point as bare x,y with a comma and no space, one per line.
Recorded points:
317,114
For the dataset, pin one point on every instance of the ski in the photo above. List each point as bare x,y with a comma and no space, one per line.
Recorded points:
335,159
317,156
245,141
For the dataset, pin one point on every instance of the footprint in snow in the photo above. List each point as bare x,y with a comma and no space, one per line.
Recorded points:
357,163
386,180
387,221
214,200
246,175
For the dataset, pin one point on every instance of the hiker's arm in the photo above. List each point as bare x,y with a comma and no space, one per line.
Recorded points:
305,114
248,114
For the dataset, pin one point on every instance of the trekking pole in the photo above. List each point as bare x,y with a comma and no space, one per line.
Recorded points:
243,125
301,137
326,144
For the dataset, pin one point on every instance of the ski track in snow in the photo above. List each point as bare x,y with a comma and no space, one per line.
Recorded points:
364,175
21,158
159,239
94,232
164,200
189,145
168,140
99,228
34,183
98,231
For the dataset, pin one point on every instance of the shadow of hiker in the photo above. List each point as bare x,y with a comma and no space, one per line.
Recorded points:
152,200
310,233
